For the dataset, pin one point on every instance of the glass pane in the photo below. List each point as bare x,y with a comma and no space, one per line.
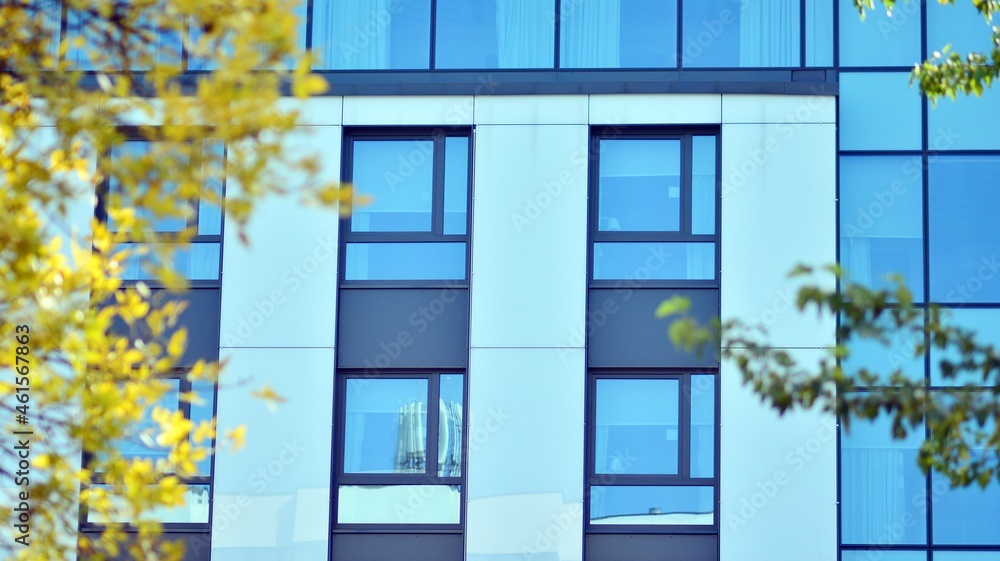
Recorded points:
887,121
884,359
371,34
385,425
703,192
399,177
660,261
194,510
95,54
405,261
637,427
203,410
120,198
702,425
963,198
450,426
965,516
197,261
210,214
652,505
495,34
883,492
883,555
967,555
399,504
819,32
456,184
140,439
747,34
640,185
959,25
985,323
618,34
958,124
881,221
880,40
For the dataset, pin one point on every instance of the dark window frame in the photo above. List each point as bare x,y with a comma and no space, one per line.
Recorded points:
681,479
134,134
185,385
429,477
685,134
438,135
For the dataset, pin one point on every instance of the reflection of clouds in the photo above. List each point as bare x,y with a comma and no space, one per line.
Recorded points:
673,518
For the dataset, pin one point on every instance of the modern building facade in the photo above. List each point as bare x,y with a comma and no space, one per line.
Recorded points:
472,364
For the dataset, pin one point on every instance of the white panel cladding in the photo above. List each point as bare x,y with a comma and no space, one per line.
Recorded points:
408,110
779,478
266,493
531,110
525,496
792,109
778,475
778,210
529,236
279,290
655,109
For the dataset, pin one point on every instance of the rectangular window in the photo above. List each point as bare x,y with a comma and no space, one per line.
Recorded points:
656,205
401,449
482,34
371,34
618,34
744,34
652,442
196,401
414,227
185,231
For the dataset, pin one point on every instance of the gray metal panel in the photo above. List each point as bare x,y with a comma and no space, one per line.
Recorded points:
201,318
197,545
652,547
624,332
411,547
382,328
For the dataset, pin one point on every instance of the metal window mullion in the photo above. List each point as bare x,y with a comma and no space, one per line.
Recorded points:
684,426
437,188
686,194
433,402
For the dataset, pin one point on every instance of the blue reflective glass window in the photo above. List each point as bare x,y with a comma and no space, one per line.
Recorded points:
640,185
405,261
884,359
385,425
618,34
959,25
703,191
196,261
883,492
967,556
966,516
398,175
456,184
480,34
371,34
88,47
963,195
958,124
819,32
702,425
450,423
654,260
637,429
879,111
140,439
747,34
879,554
881,220
880,40
986,325
652,505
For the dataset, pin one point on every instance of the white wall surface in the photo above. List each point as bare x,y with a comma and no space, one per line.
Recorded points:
778,475
272,498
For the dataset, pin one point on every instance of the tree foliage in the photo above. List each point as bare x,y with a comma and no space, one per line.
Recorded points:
949,73
77,77
962,416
